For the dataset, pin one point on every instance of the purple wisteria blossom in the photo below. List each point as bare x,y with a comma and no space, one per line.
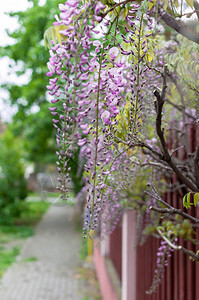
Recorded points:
97,105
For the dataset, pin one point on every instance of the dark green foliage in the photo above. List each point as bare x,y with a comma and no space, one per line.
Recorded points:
32,212
39,137
35,129
76,172
9,232
13,188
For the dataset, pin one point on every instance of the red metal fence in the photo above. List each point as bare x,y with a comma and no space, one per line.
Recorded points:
115,252
181,278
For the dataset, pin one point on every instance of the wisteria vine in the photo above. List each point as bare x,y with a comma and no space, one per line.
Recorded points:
102,77
96,83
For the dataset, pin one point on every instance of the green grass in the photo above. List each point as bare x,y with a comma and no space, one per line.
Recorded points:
10,232
29,259
21,228
45,194
83,252
32,212
7,257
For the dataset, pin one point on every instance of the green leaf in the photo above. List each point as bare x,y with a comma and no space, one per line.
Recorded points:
125,13
196,198
151,4
186,201
161,228
190,3
53,34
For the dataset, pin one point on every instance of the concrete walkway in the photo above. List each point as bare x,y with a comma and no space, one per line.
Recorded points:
52,273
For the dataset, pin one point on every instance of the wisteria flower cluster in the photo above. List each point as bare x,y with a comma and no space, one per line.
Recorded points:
163,254
97,101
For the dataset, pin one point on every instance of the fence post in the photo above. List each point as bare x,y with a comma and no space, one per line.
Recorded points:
128,256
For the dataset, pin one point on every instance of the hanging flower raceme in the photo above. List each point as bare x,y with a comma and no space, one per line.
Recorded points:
96,100
69,64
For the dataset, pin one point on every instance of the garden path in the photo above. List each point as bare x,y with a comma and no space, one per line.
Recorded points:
47,266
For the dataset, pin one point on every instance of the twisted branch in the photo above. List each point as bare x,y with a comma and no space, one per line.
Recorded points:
174,211
176,247
159,103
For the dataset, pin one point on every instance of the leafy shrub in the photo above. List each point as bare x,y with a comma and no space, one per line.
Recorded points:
13,187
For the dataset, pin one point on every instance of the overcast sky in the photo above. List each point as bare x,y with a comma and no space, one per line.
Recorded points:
8,23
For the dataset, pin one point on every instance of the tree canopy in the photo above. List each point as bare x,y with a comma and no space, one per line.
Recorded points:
30,57
28,50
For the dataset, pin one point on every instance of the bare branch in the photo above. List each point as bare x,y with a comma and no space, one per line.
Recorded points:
190,253
116,5
166,156
144,145
180,108
155,164
196,166
185,129
173,151
173,211
174,187
158,198
176,247
172,22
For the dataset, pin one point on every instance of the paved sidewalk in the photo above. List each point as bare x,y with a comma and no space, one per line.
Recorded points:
53,275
